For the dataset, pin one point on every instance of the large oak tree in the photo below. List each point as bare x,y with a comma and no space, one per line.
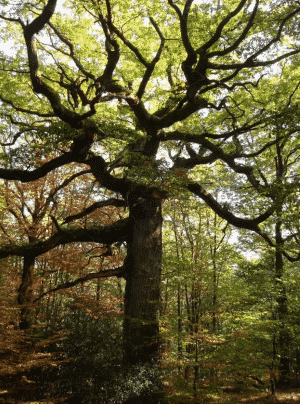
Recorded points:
142,93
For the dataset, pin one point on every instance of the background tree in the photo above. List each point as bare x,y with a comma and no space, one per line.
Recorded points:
277,169
193,298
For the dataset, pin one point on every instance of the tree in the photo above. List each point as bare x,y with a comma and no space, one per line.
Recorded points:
278,168
197,256
32,211
142,104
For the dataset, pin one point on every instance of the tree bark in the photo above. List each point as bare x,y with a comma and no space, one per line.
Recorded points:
25,293
282,312
142,292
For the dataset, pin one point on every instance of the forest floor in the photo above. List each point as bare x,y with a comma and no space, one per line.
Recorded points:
22,391
291,396
20,361
245,395
18,396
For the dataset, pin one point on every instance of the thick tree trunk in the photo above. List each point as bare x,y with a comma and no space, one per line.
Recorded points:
25,293
142,292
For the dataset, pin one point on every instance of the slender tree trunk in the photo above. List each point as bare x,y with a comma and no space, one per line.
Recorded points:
142,292
179,326
25,293
282,311
214,299
281,298
272,372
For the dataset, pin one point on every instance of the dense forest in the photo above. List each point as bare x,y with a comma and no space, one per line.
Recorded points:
149,201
